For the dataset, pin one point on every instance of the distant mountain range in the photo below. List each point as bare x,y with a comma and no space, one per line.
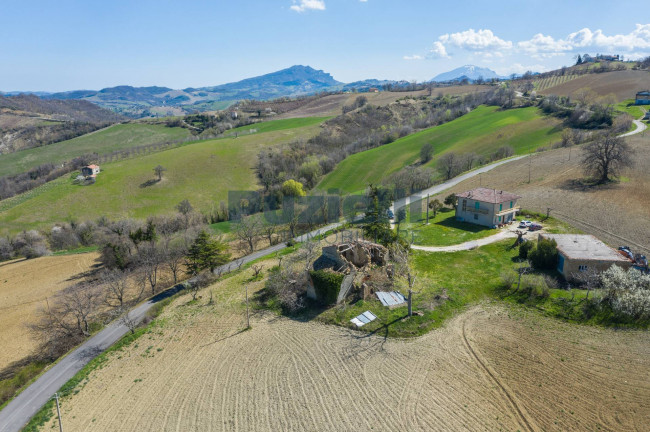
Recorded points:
294,81
470,72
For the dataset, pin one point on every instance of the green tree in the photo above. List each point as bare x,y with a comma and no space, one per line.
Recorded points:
544,256
206,252
377,225
451,200
435,205
292,188
426,152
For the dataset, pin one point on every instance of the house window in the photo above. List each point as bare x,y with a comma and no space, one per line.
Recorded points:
499,218
582,268
500,207
477,205
510,204
475,216
464,205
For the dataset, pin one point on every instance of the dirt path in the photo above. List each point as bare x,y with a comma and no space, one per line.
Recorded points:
488,369
469,245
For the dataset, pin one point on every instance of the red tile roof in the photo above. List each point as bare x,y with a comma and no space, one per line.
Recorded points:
93,166
493,196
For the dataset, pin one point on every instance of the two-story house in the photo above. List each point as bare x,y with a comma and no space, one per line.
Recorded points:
487,207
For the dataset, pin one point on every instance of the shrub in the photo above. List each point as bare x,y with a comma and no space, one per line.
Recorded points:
524,249
544,255
326,285
627,292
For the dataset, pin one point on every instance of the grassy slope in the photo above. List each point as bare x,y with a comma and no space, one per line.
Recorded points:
276,125
481,131
105,141
202,172
628,106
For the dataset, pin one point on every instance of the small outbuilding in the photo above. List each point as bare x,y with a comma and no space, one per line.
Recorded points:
487,207
90,170
642,98
579,253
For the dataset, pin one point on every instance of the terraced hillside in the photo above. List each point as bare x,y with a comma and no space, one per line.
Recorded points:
202,172
482,131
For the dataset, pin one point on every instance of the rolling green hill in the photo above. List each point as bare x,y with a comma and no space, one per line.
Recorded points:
202,172
104,141
481,131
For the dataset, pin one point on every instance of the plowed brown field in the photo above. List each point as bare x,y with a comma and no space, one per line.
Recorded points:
622,84
488,369
24,286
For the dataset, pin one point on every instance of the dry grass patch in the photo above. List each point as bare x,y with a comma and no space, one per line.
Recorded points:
24,286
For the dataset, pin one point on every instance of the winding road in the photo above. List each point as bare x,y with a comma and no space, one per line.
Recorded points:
21,409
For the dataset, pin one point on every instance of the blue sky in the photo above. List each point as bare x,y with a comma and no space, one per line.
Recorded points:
65,45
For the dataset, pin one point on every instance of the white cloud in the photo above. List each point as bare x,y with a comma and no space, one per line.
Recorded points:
518,68
413,57
473,40
438,50
586,39
305,5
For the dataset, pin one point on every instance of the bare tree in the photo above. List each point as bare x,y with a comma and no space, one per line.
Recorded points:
257,269
449,165
128,320
468,160
174,258
150,260
269,231
159,171
606,156
115,283
588,279
248,231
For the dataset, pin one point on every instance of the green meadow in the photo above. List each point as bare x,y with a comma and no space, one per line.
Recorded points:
482,131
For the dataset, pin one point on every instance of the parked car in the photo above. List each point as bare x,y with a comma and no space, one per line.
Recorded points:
390,214
525,224
535,227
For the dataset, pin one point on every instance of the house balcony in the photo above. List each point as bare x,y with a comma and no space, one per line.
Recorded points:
508,211
475,210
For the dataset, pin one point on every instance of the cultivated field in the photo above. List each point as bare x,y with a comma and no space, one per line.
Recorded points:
202,172
617,213
544,83
24,286
490,368
482,131
104,141
331,105
622,84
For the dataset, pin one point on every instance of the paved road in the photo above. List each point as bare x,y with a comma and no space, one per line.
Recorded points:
640,127
18,412
402,202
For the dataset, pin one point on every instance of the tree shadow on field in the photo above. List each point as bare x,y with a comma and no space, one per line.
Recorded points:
586,185
149,183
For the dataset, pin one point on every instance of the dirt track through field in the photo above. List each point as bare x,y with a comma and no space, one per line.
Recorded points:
488,369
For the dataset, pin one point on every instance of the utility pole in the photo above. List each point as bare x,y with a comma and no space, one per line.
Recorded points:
411,280
58,411
428,209
248,318
529,164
